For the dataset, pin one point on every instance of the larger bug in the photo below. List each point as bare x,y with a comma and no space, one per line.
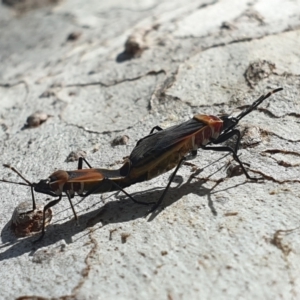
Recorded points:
167,148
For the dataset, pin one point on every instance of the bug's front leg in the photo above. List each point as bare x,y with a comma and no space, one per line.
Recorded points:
235,156
50,204
226,136
33,203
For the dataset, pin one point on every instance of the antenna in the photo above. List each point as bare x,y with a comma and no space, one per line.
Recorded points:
19,174
256,103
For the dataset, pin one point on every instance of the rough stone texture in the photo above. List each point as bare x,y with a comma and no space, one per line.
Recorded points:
215,239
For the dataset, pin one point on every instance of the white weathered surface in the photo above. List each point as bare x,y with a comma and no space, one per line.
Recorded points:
211,241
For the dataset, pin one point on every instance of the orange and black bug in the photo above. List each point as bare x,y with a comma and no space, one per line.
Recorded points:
167,148
84,182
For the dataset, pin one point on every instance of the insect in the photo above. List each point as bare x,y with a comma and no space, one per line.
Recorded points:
84,182
166,149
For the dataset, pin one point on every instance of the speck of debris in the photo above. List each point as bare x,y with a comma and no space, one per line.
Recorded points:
258,70
254,15
73,36
231,213
227,26
75,155
277,240
95,148
136,44
251,137
25,222
47,94
42,255
4,129
124,237
120,140
36,119
234,169
163,253
3,126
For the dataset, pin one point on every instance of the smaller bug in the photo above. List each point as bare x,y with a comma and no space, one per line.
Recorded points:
84,182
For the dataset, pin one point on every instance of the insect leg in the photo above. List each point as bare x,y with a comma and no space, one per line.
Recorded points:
161,198
97,188
74,212
224,137
158,128
50,204
33,199
228,149
80,163
128,195
33,203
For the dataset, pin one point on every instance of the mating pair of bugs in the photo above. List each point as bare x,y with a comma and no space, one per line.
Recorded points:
153,155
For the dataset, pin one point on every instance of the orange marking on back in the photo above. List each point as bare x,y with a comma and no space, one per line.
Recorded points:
213,128
208,119
85,175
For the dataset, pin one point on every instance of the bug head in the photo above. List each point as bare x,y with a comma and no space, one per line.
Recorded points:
53,185
230,122
44,186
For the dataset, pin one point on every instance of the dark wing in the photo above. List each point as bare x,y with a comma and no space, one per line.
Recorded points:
155,144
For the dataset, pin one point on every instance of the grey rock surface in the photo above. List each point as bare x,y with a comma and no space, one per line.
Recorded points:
218,237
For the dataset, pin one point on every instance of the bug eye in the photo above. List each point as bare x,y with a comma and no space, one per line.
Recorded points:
51,179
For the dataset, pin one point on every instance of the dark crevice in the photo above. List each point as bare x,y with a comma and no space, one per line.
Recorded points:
151,73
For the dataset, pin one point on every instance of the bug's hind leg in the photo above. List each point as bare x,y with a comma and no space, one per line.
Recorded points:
119,188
